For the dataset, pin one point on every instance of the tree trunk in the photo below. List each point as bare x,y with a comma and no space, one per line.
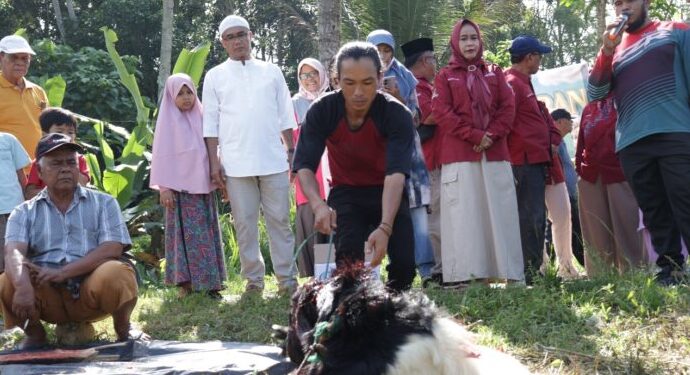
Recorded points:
166,43
328,28
226,8
601,16
59,21
70,11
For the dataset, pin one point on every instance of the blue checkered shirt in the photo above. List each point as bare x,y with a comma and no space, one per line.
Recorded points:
91,219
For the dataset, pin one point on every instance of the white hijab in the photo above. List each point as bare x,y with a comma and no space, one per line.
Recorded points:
323,78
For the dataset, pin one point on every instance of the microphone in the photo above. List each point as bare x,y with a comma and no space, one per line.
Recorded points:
619,29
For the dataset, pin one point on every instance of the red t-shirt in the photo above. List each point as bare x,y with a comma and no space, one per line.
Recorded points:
349,150
362,157
33,178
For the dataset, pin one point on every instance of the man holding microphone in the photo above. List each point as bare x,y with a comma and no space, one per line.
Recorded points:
647,66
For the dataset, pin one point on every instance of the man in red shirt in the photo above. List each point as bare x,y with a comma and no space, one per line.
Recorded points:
530,142
420,60
370,137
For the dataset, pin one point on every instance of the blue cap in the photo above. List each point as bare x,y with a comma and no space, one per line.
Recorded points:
525,44
377,37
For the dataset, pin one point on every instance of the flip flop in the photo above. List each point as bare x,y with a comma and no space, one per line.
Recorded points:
138,335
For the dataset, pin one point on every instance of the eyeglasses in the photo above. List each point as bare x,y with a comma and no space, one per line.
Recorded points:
305,76
229,37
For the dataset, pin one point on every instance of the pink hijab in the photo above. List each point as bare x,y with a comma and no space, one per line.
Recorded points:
475,69
323,78
180,160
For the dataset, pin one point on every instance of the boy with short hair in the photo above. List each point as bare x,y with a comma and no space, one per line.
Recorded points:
13,159
56,120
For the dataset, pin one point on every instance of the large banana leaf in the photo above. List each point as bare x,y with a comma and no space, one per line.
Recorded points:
120,181
106,151
55,89
141,135
193,62
126,77
94,170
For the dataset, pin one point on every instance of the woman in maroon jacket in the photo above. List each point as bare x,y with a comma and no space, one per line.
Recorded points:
474,108
608,209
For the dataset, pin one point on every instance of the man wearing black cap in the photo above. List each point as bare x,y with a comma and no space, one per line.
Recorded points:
71,272
420,60
530,142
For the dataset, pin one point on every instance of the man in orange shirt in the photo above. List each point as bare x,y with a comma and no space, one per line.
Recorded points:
21,101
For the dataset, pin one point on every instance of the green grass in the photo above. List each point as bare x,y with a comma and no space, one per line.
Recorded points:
609,325
612,324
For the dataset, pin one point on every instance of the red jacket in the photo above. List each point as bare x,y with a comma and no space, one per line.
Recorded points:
533,130
453,112
425,91
556,175
596,141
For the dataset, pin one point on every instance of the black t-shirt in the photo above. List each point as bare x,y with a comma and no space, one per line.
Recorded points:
364,157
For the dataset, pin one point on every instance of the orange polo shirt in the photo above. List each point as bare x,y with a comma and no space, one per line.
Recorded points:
19,111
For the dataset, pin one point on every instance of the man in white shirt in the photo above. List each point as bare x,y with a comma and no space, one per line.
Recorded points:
247,110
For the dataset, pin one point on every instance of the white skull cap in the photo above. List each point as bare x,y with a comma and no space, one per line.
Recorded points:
231,21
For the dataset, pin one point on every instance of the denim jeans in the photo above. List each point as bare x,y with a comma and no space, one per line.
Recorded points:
423,252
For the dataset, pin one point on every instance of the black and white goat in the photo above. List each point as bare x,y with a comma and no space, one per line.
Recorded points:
351,324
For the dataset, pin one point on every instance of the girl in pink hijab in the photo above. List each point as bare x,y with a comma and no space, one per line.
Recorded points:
180,171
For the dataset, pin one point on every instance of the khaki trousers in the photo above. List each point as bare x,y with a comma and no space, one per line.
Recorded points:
609,219
271,193
106,289
558,209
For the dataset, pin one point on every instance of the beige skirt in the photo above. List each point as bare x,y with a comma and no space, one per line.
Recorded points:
480,228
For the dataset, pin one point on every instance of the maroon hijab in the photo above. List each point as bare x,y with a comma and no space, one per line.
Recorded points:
478,89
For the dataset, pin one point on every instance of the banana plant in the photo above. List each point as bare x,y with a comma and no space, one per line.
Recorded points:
124,177
193,62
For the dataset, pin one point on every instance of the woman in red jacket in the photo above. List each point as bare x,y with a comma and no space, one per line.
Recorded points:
474,108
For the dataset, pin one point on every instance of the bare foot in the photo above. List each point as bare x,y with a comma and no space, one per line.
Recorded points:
121,320
35,337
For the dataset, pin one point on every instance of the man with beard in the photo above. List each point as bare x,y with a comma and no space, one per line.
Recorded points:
647,67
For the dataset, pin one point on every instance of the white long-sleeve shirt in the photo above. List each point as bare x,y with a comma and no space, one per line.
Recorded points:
247,107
